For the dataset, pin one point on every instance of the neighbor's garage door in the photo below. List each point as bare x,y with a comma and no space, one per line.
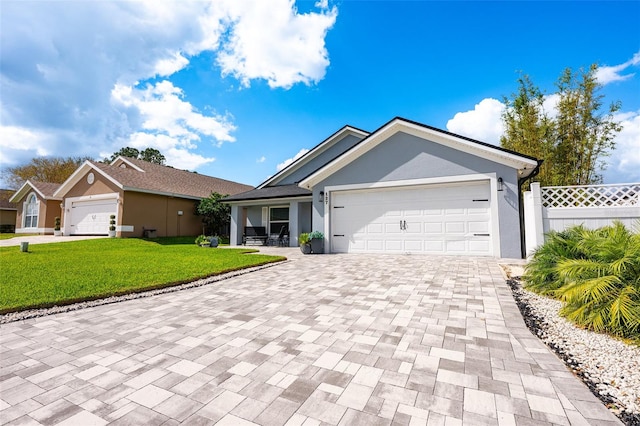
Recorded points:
443,219
92,217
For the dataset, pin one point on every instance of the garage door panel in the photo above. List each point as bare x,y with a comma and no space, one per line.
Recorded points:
91,216
477,227
479,246
427,219
433,228
454,246
454,228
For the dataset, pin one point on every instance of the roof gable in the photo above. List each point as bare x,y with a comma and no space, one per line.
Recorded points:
314,153
135,175
523,163
45,190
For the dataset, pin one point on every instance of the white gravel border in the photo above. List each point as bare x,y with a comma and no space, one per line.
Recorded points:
606,364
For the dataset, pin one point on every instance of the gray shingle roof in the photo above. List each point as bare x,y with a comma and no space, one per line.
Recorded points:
167,180
281,191
46,188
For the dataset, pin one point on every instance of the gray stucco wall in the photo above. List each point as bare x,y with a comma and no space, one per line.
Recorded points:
304,217
329,154
254,216
405,157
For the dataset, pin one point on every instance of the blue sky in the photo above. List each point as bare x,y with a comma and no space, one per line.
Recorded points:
235,89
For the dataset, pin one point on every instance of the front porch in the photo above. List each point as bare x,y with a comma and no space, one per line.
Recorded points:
282,220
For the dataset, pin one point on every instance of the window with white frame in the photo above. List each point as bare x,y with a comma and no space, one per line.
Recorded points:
278,217
31,208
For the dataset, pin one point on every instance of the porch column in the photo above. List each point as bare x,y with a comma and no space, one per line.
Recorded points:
294,227
236,226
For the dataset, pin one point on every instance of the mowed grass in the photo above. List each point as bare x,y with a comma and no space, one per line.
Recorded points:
67,272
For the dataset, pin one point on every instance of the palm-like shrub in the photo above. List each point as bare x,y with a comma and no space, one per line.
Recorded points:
541,275
596,273
602,292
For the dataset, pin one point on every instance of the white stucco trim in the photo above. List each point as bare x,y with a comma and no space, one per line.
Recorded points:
80,172
314,152
269,201
491,177
34,231
27,187
122,159
521,163
124,228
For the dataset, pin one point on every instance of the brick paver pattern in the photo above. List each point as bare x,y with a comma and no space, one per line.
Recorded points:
331,339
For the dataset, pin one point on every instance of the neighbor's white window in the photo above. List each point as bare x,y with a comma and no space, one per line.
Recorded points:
278,217
31,207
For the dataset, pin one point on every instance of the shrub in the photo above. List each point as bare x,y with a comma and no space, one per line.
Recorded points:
303,238
202,239
540,274
596,273
56,226
316,235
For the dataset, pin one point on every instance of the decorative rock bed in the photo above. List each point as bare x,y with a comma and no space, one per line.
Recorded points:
609,367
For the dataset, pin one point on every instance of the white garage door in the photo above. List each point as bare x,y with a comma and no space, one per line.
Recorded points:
92,217
442,219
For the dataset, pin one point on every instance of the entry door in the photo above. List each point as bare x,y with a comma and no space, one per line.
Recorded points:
442,219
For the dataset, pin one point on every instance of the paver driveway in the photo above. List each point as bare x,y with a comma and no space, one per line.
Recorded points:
334,339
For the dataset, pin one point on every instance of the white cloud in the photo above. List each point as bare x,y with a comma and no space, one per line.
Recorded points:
167,66
609,74
288,161
71,71
261,159
483,122
162,109
624,163
271,41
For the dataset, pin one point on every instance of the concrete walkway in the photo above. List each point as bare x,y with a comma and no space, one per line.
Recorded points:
330,339
45,239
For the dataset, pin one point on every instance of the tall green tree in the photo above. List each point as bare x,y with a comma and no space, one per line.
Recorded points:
528,129
43,169
216,216
584,129
151,155
574,140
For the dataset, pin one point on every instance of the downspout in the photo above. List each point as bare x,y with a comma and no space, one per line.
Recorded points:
534,173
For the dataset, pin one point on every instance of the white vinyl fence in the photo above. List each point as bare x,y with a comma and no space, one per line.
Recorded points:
555,208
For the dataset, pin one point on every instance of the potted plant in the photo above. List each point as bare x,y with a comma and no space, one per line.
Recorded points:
56,229
204,241
112,225
305,245
317,242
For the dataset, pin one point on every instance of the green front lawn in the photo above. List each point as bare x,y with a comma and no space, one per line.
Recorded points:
61,273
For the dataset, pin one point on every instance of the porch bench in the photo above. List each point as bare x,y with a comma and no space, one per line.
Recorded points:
255,235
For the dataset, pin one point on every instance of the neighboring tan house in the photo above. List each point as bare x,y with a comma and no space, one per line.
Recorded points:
404,188
8,211
147,199
37,207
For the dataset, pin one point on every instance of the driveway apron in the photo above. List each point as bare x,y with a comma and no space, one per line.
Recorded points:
320,339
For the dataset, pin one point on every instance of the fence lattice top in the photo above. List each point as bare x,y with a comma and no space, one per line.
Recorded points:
627,195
